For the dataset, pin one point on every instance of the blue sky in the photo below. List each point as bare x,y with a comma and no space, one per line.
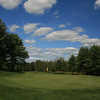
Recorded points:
53,28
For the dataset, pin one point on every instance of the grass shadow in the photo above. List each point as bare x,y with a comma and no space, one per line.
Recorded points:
14,93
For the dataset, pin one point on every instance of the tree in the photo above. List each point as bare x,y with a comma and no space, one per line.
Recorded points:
3,34
39,66
12,50
16,53
51,66
72,64
95,60
88,60
60,63
83,60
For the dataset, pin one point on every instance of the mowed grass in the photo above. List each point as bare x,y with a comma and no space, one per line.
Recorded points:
46,86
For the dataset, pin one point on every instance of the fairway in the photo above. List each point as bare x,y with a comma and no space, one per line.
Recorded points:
46,86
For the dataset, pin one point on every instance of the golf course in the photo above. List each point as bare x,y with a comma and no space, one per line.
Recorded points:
48,86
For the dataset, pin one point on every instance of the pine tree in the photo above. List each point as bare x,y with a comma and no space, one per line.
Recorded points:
72,64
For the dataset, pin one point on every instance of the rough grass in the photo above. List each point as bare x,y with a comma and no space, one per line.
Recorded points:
44,86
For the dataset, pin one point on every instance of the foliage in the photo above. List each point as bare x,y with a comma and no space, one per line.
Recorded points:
72,64
60,64
95,60
12,50
88,60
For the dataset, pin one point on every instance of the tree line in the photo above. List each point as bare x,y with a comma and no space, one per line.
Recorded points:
86,62
13,55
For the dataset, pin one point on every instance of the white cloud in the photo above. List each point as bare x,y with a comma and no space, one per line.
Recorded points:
78,29
42,31
28,28
62,26
10,4
36,53
97,3
50,53
66,35
72,36
30,41
91,41
38,6
14,27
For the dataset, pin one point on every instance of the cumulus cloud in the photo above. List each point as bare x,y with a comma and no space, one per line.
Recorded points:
97,3
36,53
50,53
14,27
90,42
30,41
38,6
10,4
72,36
30,27
66,35
42,31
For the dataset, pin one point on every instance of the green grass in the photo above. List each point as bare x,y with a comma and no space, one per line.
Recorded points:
46,86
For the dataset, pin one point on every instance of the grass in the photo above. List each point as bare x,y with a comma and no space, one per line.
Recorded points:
46,86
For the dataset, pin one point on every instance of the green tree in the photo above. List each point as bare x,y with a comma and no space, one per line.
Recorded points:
51,66
83,60
3,34
39,66
95,60
16,53
12,50
72,64
60,64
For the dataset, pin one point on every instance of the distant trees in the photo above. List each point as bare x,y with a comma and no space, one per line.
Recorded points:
40,66
51,66
60,64
72,64
12,50
86,62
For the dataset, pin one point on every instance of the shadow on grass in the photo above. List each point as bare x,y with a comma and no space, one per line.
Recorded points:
13,93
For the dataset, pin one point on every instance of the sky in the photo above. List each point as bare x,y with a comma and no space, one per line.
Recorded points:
53,28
